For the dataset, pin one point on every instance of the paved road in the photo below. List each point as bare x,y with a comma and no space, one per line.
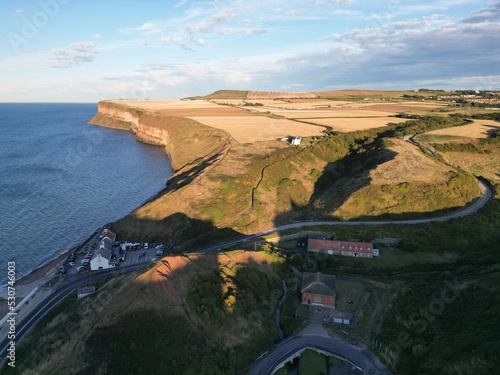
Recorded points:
486,195
290,348
70,284
74,281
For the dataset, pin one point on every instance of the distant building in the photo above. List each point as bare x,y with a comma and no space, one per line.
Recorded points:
318,289
296,141
344,248
101,259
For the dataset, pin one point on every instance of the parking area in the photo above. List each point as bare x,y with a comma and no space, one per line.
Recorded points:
122,253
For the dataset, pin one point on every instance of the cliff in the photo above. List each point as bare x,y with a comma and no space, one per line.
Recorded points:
186,141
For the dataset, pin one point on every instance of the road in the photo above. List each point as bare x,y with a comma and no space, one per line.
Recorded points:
290,348
486,195
74,281
71,283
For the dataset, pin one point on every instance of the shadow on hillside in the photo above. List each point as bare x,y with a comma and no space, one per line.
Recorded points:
339,181
184,178
217,308
492,131
178,232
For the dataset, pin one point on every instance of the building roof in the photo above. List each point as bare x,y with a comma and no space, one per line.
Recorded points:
318,283
106,243
314,244
105,253
110,235
359,247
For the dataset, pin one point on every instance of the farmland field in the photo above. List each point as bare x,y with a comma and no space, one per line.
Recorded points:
355,124
478,129
249,129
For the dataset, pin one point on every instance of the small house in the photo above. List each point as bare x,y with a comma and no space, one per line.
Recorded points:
318,289
101,259
296,141
344,248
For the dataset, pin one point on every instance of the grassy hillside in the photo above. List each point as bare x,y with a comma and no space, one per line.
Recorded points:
445,323
245,188
203,315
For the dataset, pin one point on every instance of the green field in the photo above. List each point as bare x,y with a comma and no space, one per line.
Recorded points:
349,290
312,363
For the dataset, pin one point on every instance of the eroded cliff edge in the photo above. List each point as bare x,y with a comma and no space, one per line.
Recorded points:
187,142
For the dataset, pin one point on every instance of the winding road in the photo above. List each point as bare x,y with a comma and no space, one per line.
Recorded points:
487,194
292,347
286,349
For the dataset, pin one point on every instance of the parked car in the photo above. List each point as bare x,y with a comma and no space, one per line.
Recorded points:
80,268
85,261
71,264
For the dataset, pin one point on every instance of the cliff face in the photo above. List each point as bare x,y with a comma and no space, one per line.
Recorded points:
185,140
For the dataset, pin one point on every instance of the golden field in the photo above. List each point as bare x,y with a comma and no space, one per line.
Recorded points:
478,129
273,116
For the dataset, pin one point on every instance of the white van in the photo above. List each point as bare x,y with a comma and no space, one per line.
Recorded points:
146,245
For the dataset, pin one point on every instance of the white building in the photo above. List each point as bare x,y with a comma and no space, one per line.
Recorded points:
296,141
101,259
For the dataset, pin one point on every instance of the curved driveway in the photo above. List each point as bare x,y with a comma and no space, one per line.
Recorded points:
290,348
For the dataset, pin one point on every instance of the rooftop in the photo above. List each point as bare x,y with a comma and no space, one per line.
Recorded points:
319,283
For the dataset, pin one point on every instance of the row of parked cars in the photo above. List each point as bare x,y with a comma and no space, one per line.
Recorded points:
70,262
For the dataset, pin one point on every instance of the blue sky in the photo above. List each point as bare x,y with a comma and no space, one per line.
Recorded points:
88,50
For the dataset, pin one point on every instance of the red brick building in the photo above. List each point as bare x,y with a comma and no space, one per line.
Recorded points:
318,289
344,248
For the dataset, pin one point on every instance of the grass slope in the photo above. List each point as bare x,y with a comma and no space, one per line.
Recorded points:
209,314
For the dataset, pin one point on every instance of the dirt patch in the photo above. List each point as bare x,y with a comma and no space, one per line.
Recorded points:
161,277
410,164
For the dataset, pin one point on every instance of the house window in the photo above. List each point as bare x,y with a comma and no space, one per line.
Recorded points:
343,247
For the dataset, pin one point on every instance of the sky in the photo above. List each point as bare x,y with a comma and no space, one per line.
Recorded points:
89,50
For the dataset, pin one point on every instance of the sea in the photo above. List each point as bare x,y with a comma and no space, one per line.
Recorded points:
61,179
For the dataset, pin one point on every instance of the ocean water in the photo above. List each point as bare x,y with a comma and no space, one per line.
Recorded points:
61,179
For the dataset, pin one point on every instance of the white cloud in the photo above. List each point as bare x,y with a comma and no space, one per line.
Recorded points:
19,11
490,14
180,3
243,31
77,54
320,2
96,36
147,28
219,18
